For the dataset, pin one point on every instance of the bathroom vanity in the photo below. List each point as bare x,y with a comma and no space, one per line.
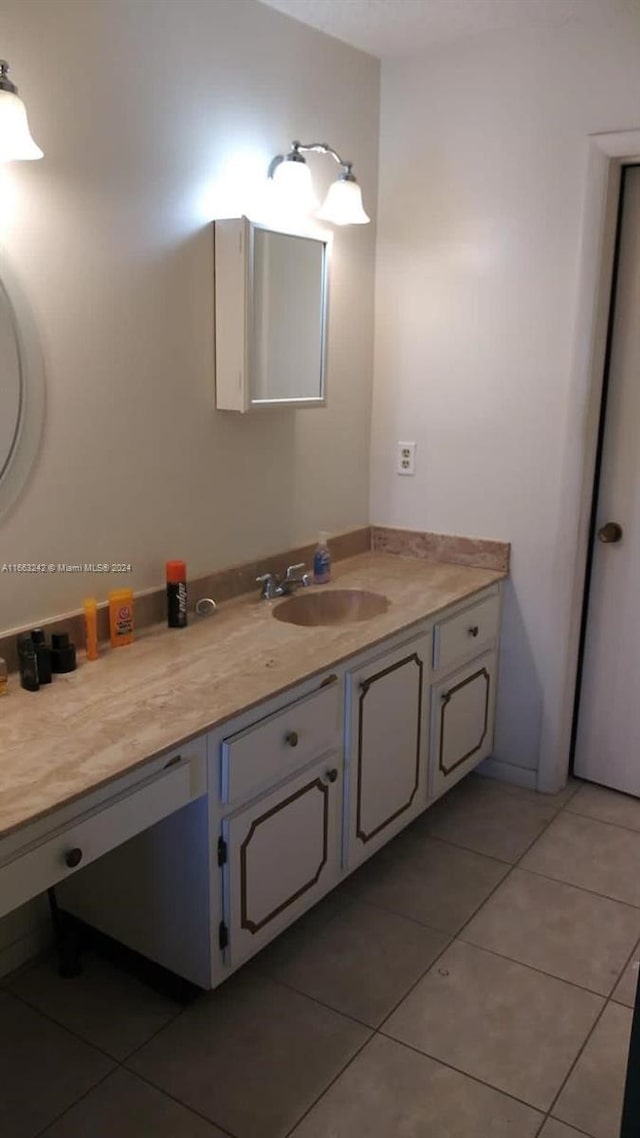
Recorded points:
318,744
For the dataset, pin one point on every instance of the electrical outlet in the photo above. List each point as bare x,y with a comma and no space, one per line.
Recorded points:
406,458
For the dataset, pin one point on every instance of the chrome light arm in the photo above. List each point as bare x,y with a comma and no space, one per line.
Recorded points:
297,149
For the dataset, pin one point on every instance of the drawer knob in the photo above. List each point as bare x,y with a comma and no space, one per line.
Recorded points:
292,738
474,630
72,858
332,775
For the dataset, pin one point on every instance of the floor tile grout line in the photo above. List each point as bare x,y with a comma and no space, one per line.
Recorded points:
337,1076
603,821
316,999
61,1114
180,1102
577,1059
458,936
630,960
574,885
541,971
581,888
83,1038
454,937
63,1027
459,1071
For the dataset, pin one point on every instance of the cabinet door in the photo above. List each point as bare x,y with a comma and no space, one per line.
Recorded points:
462,715
388,746
282,855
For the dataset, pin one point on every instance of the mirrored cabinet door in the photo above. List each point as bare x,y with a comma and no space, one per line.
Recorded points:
271,298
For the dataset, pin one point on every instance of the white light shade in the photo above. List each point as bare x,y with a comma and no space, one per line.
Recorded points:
292,180
343,204
15,139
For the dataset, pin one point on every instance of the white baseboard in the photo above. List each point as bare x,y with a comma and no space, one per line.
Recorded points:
507,772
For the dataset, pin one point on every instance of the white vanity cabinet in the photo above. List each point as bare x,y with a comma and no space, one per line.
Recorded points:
302,788
463,697
387,745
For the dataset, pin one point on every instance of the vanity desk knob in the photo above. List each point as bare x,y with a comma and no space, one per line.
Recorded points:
291,738
332,775
474,630
73,857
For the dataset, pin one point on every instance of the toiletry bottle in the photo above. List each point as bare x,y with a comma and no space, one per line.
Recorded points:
63,653
90,610
43,655
4,677
176,575
28,663
121,617
322,561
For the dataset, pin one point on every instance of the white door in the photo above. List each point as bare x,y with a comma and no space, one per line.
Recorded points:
608,736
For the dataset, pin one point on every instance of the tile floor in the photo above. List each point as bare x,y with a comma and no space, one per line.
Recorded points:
474,979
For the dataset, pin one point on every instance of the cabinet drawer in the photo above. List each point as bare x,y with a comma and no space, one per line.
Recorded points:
78,844
281,743
466,633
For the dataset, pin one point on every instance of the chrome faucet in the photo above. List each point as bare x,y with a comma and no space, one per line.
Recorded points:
273,586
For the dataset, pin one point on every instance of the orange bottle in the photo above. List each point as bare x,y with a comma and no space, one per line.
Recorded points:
121,617
91,627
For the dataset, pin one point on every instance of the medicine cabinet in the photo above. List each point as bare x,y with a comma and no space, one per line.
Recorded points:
271,299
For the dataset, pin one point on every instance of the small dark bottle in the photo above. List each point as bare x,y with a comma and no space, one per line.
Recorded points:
176,574
28,663
63,653
43,655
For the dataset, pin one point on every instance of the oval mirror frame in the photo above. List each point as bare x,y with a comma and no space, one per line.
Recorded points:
26,441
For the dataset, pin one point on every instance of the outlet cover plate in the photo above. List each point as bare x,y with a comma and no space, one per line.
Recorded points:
406,458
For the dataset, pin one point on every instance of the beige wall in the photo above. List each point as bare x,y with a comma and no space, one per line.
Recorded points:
139,106
483,174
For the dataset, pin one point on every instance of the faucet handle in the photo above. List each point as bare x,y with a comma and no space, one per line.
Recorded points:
291,569
268,583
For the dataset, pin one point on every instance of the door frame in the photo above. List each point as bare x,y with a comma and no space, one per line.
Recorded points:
607,154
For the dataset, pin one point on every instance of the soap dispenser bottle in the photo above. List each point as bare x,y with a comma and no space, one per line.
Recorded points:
322,561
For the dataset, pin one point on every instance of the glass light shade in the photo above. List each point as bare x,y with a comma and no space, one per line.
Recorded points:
15,138
292,180
343,204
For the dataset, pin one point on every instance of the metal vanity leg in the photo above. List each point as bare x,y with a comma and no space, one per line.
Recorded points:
66,938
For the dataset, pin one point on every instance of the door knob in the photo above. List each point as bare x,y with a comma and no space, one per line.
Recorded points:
610,533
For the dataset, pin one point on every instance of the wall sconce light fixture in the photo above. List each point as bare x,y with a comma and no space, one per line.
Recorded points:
343,203
15,138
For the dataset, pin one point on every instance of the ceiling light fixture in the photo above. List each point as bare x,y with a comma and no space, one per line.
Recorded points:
15,138
343,203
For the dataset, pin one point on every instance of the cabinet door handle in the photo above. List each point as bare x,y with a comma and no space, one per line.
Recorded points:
474,630
291,738
73,857
332,775
172,762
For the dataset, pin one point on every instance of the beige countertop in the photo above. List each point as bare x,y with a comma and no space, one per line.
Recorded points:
106,718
